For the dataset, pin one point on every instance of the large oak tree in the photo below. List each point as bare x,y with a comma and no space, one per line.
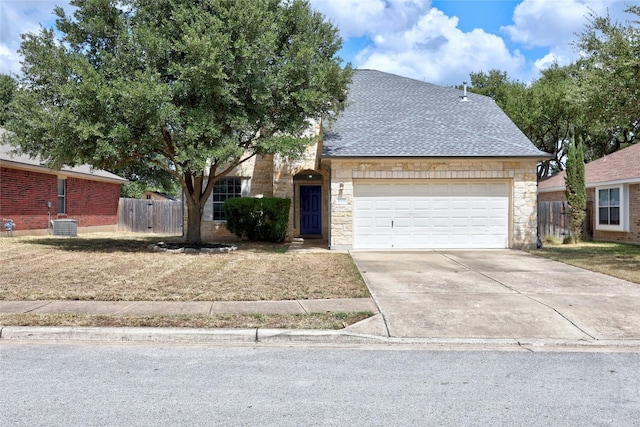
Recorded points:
609,82
189,88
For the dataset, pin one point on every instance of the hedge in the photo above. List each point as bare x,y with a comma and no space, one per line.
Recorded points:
258,219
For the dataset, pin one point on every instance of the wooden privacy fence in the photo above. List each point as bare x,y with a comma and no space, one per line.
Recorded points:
150,216
553,220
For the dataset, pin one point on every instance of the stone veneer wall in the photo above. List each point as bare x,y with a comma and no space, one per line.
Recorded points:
522,174
284,184
272,176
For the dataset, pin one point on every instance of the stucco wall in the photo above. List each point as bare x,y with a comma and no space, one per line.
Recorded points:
522,175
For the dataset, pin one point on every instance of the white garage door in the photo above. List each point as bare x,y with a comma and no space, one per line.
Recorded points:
431,215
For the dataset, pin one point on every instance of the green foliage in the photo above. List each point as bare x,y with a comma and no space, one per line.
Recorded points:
142,87
543,111
135,189
609,86
552,115
258,219
8,88
575,190
132,190
595,98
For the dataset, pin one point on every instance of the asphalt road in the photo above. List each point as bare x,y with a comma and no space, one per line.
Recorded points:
151,385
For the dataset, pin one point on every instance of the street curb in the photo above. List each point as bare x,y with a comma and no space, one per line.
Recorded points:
298,337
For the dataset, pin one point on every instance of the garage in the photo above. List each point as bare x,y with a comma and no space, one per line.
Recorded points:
431,214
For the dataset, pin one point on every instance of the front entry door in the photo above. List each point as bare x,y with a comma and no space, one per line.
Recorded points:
310,209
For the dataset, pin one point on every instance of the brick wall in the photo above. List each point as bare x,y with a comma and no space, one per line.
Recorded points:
92,202
24,195
633,235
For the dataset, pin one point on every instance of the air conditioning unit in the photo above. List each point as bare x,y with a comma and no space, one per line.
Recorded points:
65,227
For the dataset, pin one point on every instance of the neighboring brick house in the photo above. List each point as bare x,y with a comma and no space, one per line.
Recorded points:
616,181
27,187
407,165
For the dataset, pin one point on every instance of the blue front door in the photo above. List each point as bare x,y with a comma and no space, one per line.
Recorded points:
310,209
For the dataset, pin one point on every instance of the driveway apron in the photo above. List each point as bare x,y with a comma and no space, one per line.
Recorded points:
498,294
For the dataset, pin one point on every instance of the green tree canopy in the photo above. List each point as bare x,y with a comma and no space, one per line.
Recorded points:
609,82
188,88
8,86
551,114
595,98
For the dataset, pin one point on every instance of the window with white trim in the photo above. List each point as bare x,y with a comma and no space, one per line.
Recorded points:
224,189
611,209
62,194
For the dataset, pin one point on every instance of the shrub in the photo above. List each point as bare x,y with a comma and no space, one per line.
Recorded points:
264,219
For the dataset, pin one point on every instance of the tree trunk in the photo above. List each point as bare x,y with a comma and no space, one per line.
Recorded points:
194,219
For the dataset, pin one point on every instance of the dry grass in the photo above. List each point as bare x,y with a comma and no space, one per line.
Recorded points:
614,259
114,267
287,321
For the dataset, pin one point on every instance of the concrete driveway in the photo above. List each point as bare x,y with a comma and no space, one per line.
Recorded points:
498,294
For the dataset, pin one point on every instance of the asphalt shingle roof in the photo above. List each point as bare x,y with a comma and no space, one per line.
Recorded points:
621,166
9,157
394,116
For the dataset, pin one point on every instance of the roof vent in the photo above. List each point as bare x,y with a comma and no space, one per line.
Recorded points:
464,91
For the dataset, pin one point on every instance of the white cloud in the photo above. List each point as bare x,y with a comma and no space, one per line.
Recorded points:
556,25
357,18
9,60
547,23
436,50
19,17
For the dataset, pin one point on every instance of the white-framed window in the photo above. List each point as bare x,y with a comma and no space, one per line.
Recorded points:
612,210
225,188
62,195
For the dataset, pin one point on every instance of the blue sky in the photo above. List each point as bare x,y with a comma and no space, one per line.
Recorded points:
439,41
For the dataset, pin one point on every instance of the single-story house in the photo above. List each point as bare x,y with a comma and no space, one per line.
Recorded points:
613,187
32,195
407,165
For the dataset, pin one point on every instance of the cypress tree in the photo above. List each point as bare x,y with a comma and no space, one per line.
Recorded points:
575,190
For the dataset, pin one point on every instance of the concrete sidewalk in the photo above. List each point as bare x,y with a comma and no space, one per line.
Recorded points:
372,330
149,308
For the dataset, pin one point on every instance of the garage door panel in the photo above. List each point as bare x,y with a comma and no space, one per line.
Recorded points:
458,189
431,214
421,222
438,203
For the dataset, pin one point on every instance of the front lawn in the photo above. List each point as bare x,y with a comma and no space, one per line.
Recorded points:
120,267
614,259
